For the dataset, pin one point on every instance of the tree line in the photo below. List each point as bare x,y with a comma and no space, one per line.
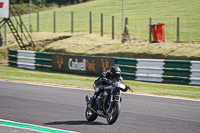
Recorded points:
47,2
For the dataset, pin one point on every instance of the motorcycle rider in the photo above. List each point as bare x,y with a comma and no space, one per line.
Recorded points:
107,78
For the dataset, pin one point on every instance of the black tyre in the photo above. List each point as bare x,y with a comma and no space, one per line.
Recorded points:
90,115
112,117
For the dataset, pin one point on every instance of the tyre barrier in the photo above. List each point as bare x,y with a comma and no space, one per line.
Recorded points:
150,70
160,70
30,59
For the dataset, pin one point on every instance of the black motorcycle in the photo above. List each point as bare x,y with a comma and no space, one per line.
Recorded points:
107,104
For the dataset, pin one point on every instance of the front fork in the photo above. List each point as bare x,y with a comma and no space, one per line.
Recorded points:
112,101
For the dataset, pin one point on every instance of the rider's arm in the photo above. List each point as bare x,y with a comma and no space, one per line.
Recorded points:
100,79
121,79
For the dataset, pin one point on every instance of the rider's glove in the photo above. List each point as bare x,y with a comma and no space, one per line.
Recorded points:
126,88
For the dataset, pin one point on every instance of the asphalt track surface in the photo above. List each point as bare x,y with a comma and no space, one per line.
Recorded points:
64,108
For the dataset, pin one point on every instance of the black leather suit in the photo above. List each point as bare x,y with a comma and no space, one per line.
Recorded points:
104,79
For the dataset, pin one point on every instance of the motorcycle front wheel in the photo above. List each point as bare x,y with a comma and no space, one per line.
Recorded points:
90,115
114,114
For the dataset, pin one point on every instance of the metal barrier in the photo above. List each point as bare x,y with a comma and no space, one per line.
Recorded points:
160,70
30,59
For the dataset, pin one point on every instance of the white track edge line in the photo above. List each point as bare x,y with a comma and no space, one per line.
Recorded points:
84,89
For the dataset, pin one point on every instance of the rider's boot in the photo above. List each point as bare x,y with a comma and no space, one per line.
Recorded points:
96,93
94,99
92,102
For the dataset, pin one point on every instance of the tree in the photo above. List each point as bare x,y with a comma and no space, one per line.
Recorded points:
39,2
42,2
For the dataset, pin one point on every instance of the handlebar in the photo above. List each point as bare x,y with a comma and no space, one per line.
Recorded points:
109,81
130,89
113,81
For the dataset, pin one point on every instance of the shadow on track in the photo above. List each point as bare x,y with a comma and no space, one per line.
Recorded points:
74,123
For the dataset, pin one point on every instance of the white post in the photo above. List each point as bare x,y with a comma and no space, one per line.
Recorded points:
6,38
191,32
138,31
30,2
122,17
171,24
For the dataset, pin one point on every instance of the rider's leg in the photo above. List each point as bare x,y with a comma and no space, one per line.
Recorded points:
98,90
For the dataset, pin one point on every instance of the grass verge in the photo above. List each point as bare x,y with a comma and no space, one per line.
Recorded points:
93,44
86,81
138,12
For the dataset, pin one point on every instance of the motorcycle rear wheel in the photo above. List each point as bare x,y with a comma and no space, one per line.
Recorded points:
112,117
90,115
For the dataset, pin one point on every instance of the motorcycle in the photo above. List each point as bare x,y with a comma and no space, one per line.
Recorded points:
107,104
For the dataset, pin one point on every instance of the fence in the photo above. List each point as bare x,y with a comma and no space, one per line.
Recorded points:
30,59
160,70
91,22
151,70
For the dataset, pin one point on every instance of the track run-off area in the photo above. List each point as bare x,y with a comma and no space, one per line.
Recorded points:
27,108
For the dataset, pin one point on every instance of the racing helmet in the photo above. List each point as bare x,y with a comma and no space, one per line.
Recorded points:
115,72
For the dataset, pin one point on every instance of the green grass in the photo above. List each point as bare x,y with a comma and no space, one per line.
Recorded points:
88,44
81,42
86,81
94,44
138,12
